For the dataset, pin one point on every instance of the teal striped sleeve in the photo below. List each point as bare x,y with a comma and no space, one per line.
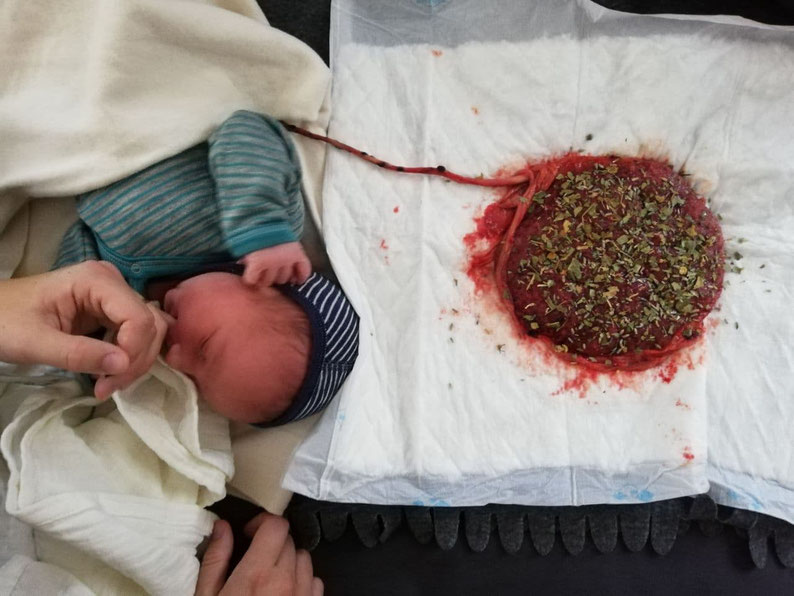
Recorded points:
78,245
257,183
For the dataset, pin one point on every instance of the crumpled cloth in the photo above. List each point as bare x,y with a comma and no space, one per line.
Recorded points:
116,491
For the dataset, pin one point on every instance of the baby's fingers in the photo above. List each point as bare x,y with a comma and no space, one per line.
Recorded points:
283,275
301,271
251,274
268,277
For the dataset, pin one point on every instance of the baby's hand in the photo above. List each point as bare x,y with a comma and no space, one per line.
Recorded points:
277,265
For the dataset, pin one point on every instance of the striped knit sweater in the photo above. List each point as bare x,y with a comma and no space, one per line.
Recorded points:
215,202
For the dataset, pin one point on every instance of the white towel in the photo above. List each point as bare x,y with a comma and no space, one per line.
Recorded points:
445,406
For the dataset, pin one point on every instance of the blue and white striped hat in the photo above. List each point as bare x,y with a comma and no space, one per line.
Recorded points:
334,328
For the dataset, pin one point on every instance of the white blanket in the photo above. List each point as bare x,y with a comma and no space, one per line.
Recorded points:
116,491
91,92
101,90
444,407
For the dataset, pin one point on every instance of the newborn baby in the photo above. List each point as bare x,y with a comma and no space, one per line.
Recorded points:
257,352
231,339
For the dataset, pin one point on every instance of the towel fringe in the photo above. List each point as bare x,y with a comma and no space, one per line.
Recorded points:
657,523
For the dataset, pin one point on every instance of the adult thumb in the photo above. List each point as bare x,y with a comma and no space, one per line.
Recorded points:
215,563
81,354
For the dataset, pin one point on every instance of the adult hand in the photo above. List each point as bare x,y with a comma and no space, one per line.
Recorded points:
43,319
271,566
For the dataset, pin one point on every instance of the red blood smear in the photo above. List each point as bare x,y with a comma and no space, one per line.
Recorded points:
475,110
396,209
688,455
437,53
668,370
583,380
383,244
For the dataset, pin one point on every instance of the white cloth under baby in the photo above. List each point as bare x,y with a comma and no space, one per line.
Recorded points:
443,406
116,491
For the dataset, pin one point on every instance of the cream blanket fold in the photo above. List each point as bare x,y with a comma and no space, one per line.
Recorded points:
116,491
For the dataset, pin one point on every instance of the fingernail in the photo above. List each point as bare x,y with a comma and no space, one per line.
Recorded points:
114,363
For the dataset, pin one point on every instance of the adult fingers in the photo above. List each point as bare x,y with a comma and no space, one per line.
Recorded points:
77,353
215,563
318,588
142,356
100,291
161,324
283,576
266,546
287,558
304,574
253,524
139,327
104,387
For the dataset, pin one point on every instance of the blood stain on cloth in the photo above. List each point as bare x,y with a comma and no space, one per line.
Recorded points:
667,371
475,110
384,247
687,454
396,209
683,405
437,53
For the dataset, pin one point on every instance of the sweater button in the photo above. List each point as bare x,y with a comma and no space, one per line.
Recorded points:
136,268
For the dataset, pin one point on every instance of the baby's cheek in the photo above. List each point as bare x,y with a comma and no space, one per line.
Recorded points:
229,395
222,402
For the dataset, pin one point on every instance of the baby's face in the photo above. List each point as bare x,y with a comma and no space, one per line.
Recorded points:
212,341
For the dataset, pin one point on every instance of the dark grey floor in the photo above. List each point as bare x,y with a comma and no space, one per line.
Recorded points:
697,565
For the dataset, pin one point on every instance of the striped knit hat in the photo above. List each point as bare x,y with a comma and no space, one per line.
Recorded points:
334,328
